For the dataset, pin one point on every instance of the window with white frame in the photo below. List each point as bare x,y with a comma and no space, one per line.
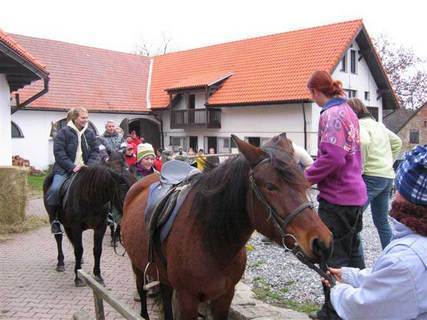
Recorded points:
344,63
224,144
177,142
16,131
255,141
264,141
414,136
351,93
353,61
367,96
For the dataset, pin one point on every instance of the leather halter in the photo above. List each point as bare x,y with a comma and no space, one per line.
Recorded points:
282,224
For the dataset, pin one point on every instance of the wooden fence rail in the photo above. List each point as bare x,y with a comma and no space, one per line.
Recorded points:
100,294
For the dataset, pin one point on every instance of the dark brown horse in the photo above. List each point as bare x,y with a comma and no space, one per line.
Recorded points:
205,251
90,195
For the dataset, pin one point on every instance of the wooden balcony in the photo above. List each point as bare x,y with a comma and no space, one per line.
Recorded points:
196,118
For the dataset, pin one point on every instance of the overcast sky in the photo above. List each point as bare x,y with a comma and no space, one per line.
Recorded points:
121,24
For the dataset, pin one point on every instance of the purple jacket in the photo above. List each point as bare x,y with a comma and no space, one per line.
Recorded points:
337,170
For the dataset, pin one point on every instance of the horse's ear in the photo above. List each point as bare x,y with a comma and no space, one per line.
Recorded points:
251,153
281,143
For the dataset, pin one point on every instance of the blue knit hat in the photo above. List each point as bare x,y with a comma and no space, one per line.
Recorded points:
411,178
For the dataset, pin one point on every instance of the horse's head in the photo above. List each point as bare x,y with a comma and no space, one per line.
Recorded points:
124,179
277,199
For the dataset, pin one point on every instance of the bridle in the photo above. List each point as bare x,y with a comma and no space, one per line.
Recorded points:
282,224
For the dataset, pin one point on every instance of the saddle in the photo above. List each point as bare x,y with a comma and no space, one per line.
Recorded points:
164,201
64,189
166,196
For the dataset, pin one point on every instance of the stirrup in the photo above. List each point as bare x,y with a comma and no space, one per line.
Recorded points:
148,283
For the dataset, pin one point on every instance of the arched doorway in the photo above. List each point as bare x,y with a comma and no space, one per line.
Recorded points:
146,128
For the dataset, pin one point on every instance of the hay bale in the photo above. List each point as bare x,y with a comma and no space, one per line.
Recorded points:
13,195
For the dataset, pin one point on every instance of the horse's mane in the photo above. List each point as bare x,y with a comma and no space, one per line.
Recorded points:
220,195
94,184
98,185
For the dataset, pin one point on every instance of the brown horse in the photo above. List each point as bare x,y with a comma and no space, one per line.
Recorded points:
205,251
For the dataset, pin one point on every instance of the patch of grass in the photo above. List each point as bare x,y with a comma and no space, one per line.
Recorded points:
35,184
257,264
264,292
29,223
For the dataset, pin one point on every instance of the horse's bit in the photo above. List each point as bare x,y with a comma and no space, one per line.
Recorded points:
281,224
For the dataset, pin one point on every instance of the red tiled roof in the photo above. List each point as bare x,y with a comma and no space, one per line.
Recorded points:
21,51
200,80
81,76
266,69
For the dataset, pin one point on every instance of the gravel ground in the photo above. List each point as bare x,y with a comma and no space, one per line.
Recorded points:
290,279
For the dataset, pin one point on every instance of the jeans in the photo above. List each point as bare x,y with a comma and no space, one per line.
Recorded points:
379,189
52,197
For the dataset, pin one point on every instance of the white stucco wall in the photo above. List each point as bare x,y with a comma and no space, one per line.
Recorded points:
263,121
36,145
5,126
360,81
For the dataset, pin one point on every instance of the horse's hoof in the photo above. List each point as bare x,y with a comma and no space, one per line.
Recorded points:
99,280
60,268
79,283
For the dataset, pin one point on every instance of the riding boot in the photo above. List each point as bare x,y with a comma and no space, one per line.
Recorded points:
55,225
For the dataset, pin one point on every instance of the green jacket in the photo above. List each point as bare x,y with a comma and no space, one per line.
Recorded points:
380,147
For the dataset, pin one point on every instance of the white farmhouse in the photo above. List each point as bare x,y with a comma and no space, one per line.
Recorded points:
254,88
18,68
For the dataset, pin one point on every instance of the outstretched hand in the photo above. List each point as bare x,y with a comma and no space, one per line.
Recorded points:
336,273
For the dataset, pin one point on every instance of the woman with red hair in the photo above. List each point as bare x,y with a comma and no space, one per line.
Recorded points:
337,172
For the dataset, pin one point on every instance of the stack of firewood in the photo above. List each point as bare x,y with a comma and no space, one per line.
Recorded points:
20,162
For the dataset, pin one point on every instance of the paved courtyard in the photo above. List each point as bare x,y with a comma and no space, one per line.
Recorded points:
30,288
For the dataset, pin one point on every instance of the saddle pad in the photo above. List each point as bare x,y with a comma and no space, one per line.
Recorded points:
166,228
175,171
64,189
156,193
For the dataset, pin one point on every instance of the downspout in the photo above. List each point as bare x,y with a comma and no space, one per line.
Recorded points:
148,103
31,99
305,125
150,73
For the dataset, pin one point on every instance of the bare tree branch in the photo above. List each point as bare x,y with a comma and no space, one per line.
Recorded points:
146,48
405,71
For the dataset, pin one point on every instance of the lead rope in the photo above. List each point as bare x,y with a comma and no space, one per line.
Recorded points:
324,268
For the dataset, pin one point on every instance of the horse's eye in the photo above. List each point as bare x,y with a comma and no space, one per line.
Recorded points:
270,187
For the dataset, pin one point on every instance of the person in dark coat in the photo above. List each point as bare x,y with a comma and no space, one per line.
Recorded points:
74,146
112,140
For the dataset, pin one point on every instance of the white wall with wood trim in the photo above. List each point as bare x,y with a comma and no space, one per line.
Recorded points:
5,124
